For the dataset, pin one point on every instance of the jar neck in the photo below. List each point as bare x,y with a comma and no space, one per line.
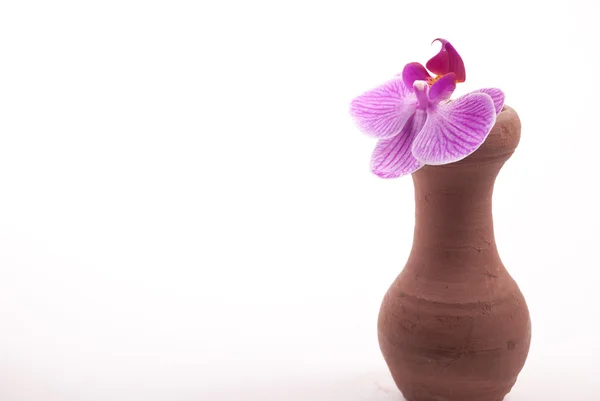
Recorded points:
453,213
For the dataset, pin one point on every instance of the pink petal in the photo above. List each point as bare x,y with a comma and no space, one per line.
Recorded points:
443,88
454,130
392,157
497,96
447,60
383,111
414,72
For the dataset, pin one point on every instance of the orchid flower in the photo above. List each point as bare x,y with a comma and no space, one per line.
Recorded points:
417,123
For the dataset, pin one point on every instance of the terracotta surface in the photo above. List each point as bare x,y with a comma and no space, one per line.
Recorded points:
454,325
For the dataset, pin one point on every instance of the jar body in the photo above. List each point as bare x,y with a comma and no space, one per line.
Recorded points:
443,344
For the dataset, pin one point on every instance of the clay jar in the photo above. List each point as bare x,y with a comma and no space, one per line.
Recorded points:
454,325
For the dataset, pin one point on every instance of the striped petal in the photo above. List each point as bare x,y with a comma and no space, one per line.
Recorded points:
382,112
497,96
392,157
454,130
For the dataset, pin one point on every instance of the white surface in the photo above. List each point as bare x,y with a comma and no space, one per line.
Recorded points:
186,210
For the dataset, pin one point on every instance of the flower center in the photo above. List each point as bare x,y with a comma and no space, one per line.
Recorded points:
432,80
422,91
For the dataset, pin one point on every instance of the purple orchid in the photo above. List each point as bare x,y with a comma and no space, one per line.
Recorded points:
417,123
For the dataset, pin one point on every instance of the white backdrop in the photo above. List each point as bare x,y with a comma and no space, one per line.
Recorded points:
187,211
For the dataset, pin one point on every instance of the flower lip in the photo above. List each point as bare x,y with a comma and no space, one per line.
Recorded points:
443,88
447,60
